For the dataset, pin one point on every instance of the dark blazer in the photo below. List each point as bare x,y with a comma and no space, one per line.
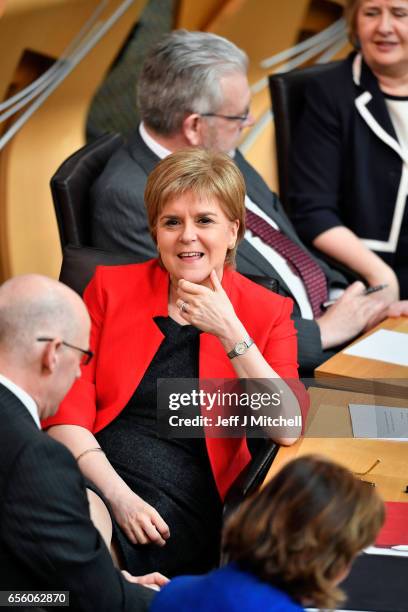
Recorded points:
228,589
122,301
119,224
47,539
347,166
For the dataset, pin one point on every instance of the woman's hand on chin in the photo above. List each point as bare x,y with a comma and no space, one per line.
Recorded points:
208,309
141,523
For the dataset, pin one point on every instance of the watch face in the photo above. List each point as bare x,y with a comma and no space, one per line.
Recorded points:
240,348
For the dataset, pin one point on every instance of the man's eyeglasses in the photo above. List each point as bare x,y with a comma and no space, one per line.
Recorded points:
241,118
86,355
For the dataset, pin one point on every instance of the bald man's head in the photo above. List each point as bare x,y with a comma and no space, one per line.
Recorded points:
33,307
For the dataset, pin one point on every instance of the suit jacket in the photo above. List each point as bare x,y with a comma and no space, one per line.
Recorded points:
348,167
120,224
228,589
47,539
122,301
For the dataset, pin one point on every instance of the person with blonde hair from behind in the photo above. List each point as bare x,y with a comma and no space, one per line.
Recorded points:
288,546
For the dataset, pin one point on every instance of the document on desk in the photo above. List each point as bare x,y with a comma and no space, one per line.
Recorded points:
384,422
390,551
382,345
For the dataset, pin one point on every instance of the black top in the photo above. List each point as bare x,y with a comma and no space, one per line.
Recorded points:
174,476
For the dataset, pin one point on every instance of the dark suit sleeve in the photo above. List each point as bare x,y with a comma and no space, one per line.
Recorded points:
47,525
310,351
119,221
316,168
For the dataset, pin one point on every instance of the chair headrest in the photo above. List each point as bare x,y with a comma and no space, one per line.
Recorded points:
71,184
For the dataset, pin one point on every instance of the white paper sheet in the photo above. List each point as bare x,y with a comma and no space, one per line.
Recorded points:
382,345
393,551
384,422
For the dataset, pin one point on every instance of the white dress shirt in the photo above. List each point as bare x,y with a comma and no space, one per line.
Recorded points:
153,145
278,262
24,398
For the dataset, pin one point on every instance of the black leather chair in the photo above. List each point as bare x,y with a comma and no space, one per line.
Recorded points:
71,184
70,188
263,452
287,91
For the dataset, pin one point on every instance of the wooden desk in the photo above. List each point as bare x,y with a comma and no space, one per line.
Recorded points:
375,583
329,416
368,375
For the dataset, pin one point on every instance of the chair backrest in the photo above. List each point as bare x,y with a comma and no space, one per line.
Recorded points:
287,91
71,184
79,263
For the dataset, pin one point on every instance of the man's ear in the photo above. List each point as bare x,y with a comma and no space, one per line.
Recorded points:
49,356
192,129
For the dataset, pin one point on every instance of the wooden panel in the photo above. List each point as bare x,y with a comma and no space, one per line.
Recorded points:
262,152
260,27
322,13
29,241
28,233
263,28
197,15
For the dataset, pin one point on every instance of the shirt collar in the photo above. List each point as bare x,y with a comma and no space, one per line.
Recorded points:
153,145
157,148
24,398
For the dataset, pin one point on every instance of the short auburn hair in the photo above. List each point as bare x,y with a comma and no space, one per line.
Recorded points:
304,528
205,173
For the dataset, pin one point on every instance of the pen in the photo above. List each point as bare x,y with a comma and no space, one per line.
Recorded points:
367,291
374,289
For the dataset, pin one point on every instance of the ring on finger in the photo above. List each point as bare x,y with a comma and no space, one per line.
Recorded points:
183,307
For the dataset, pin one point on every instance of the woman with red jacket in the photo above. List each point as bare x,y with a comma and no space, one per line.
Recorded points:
187,314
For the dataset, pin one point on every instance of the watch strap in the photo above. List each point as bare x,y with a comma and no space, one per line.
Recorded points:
241,347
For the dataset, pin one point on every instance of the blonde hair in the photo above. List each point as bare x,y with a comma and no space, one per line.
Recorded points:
205,173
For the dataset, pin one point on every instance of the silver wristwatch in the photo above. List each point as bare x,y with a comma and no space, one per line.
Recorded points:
241,347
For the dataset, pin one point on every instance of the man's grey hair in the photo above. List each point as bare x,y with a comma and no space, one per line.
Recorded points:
181,75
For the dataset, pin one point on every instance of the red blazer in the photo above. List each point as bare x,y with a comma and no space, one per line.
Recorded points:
122,301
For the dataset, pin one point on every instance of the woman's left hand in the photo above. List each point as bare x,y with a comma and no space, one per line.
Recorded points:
208,309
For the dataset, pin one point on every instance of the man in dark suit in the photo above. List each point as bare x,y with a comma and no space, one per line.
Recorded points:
193,91
47,539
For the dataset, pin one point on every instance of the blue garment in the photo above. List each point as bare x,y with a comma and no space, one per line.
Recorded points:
228,589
